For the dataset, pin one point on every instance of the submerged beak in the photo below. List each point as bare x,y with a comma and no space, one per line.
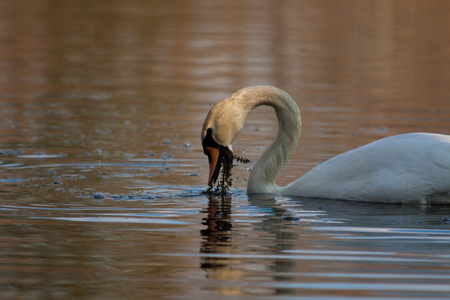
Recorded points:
214,164
216,157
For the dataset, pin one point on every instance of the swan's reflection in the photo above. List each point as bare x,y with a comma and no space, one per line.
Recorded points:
217,235
232,252
249,248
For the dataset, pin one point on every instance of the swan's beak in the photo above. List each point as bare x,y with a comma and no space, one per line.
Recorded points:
214,164
216,156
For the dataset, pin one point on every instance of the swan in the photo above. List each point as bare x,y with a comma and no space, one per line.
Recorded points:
405,168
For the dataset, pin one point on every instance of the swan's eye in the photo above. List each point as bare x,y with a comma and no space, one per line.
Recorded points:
209,141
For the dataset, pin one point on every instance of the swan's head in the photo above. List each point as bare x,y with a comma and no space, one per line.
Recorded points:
226,119
221,126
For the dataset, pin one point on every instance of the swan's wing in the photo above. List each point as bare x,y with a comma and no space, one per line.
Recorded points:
441,157
404,168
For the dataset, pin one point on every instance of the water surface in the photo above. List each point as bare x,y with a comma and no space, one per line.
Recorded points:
102,170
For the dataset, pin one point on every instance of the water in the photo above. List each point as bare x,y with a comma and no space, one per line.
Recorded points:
102,170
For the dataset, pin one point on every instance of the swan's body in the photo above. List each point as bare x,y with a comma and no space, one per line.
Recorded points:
407,168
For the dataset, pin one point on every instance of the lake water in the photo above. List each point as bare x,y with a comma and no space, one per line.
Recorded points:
102,169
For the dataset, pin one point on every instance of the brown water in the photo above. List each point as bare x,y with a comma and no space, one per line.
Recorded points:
102,171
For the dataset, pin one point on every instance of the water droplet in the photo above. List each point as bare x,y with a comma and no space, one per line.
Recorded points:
290,215
98,195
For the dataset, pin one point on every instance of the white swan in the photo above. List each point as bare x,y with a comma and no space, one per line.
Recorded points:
406,168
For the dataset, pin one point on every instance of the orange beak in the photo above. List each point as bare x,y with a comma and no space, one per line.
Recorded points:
214,165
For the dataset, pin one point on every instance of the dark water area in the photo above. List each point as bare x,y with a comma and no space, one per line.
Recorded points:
102,169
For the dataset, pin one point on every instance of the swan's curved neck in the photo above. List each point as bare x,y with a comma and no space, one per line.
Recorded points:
262,178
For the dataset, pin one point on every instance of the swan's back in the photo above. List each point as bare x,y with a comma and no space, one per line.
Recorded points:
407,168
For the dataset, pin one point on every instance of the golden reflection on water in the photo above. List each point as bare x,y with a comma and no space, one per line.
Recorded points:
109,96
360,70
